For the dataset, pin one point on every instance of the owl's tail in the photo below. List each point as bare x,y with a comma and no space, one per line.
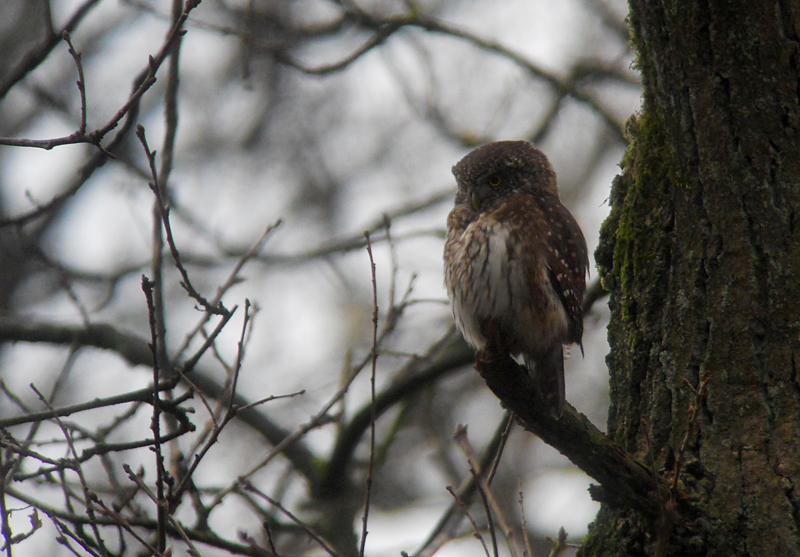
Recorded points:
548,376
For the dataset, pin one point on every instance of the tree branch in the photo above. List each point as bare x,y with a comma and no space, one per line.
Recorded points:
136,351
625,481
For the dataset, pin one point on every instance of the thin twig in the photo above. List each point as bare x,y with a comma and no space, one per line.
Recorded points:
81,81
160,354
240,352
270,541
89,497
187,476
171,101
233,278
230,413
485,490
460,437
271,398
477,530
305,527
95,138
7,465
508,422
215,433
157,187
443,357
189,365
86,454
393,257
560,544
191,549
202,536
373,415
524,520
155,425
142,395
320,418
446,526
123,523
154,63
79,537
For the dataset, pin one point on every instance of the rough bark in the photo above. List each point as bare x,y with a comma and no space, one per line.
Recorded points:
701,255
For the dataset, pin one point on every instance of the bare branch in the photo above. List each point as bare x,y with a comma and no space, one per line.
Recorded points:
449,354
373,415
155,425
475,528
146,81
487,497
445,528
137,351
88,495
625,481
305,527
142,395
157,187
384,28
233,278
81,81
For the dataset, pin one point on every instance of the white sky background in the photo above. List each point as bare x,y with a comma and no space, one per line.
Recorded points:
336,153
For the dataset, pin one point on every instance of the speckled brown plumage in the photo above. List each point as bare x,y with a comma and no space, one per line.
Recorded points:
516,261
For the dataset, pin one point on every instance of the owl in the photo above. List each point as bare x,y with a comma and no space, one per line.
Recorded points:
516,262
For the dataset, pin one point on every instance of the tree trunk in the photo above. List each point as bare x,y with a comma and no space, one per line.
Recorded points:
702,257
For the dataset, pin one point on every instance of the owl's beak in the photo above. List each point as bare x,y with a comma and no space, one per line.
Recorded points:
475,200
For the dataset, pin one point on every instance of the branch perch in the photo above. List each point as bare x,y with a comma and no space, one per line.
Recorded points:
625,481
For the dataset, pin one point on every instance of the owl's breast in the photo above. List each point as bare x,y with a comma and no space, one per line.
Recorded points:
498,285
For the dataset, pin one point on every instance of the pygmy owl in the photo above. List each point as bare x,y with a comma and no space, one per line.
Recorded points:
516,262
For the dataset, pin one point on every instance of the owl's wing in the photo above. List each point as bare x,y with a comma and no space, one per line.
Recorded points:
567,263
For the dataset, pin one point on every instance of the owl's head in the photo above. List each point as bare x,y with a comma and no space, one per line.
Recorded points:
496,170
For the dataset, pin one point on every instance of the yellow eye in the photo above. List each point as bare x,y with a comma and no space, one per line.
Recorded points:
495,180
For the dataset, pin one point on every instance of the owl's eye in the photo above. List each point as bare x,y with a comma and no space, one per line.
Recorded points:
495,180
